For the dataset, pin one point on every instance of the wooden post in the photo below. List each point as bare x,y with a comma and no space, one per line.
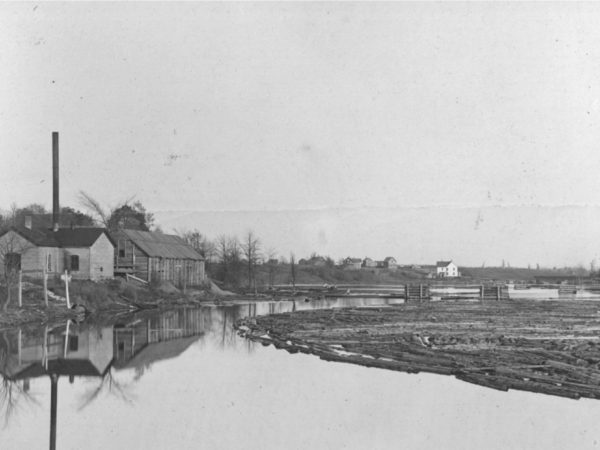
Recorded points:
45,276
45,349
498,292
53,409
67,289
406,292
20,288
66,339
481,292
420,292
20,345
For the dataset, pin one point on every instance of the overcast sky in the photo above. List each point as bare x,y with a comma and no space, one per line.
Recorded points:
490,111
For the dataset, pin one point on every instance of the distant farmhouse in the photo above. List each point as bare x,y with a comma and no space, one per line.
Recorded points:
352,263
387,263
446,269
390,263
87,253
152,256
369,263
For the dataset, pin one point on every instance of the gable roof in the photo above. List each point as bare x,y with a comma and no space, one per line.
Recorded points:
64,237
75,367
158,351
162,245
443,263
80,237
354,260
39,237
389,258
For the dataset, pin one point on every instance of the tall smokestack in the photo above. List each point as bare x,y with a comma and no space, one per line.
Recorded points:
55,205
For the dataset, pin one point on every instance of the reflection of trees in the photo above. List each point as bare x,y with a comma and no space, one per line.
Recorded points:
12,392
110,385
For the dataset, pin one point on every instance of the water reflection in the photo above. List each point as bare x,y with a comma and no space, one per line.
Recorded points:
98,352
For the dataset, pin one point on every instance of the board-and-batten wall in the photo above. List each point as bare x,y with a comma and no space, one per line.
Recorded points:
129,256
177,270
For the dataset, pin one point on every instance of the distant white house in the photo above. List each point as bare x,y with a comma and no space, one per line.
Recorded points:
446,269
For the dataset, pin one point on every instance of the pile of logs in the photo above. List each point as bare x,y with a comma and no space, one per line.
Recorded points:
550,347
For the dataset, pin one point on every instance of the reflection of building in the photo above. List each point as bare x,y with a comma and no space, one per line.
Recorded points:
81,352
142,342
65,351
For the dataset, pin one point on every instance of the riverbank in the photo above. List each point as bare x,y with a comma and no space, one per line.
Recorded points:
550,347
99,299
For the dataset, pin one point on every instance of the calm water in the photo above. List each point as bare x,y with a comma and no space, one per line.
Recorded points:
185,380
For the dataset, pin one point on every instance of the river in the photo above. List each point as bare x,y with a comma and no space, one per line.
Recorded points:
184,379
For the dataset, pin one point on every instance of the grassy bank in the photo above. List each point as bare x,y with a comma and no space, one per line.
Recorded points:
93,298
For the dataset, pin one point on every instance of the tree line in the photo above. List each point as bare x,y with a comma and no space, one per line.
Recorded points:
230,259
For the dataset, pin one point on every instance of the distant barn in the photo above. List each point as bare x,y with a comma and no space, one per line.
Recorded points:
153,256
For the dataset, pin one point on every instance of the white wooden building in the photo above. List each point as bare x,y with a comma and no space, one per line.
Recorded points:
87,253
446,269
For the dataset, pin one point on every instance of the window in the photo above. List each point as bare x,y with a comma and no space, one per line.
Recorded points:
73,343
121,253
74,263
12,261
49,262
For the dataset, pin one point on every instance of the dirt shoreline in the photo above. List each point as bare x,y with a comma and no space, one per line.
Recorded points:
550,347
102,305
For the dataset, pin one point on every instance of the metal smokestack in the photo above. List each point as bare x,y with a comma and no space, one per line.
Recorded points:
55,205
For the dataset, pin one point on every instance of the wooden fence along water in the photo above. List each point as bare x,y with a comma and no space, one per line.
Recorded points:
439,291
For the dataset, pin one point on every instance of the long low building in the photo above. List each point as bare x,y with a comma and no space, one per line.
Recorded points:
156,256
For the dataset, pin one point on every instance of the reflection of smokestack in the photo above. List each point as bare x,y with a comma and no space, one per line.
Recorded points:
55,206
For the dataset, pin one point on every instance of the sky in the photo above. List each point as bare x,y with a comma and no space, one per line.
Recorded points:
424,131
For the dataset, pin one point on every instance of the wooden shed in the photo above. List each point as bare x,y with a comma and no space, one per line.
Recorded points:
156,256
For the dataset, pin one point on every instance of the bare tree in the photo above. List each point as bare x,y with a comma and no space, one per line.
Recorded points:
129,213
10,219
229,256
11,391
109,384
12,248
271,265
251,250
293,269
94,206
198,242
